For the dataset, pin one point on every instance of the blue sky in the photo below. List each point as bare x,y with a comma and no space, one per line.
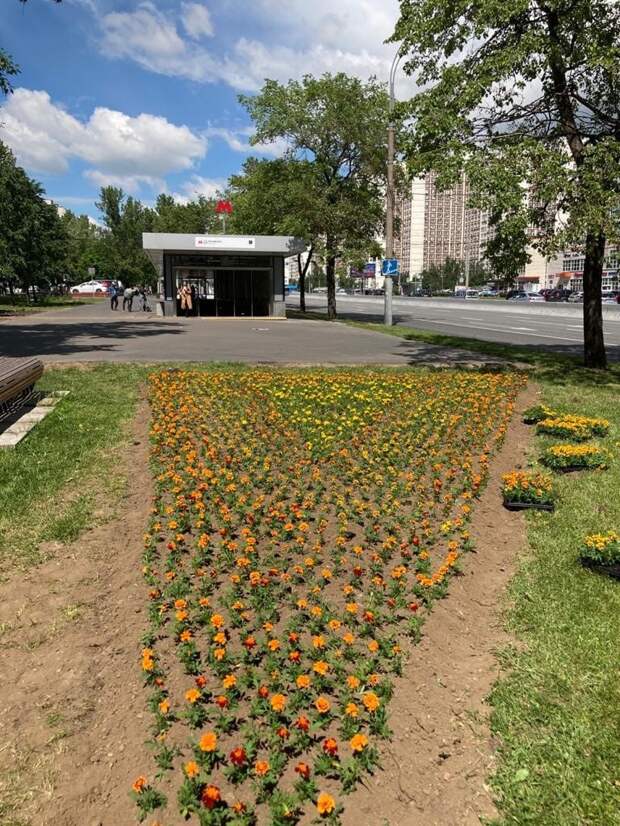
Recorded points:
143,95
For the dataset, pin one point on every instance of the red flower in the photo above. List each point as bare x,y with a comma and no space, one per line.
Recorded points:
238,757
223,208
330,746
210,797
303,770
303,723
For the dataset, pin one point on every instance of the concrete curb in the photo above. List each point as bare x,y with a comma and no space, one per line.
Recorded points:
20,428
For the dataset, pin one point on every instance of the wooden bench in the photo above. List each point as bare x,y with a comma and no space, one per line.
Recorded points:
17,379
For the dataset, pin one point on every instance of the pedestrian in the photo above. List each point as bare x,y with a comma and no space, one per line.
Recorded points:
186,299
127,298
113,297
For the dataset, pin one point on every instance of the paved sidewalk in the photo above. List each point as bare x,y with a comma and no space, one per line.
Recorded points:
95,333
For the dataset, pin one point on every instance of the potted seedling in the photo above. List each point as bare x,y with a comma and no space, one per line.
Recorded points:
567,458
525,490
601,553
569,426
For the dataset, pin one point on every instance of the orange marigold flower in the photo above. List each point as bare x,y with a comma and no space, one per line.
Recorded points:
373,646
322,705
192,695
263,692
217,620
303,681
239,807
371,701
185,636
210,796
321,667
191,769
273,645
139,784
208,741
351,710
303,770
318,641
261,767
222,701
229,681
358,742
164,706
278,702
325,804
302,723
353,682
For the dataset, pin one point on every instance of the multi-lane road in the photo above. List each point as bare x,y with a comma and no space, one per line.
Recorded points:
550,326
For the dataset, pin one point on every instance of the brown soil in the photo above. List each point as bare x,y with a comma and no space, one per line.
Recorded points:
72,711
73,717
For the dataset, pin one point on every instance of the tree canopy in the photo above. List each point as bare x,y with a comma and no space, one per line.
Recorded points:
525,97
334,128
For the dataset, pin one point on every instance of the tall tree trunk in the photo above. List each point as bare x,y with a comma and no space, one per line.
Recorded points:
330,280
593,341
302,279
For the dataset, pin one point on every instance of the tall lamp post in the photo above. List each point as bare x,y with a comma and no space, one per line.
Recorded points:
389,212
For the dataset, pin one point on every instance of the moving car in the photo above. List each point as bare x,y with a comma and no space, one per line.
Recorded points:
517,296
576,298
610,296
535,297
91,288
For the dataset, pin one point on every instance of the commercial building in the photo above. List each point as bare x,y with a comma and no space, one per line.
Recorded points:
226,275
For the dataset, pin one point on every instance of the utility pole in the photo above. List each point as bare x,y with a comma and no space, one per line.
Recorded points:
389,211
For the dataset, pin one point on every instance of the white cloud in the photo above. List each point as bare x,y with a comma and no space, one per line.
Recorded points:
304,37
239,141
197,185
196,20
134,150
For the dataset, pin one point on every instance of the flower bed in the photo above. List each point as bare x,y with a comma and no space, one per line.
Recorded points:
303,523
579,428
601,552
522,490
574,457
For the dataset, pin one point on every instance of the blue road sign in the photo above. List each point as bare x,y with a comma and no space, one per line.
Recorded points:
389,266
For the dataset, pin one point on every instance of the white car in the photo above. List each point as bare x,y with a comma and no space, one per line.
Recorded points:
90,288
535,297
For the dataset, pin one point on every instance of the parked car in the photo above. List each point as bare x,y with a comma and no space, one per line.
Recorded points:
511,294
489,293
535,297
576,298
517,296
91,288
610,297
558,295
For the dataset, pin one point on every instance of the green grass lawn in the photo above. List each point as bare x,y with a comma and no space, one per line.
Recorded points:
21,305
557,710
64,472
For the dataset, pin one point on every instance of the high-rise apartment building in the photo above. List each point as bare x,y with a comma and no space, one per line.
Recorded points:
436,225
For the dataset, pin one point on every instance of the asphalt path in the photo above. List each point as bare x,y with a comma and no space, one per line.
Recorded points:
556,327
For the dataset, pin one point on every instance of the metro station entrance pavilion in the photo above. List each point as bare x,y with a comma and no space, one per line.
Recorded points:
224,275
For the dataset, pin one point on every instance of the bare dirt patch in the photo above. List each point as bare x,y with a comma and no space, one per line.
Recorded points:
72,708
442,752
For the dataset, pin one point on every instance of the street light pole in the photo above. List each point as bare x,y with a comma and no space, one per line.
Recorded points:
389,211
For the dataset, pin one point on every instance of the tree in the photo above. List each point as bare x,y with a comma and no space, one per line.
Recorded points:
280,197
125,220
195,216
525,97
337,126
7,69
32,237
